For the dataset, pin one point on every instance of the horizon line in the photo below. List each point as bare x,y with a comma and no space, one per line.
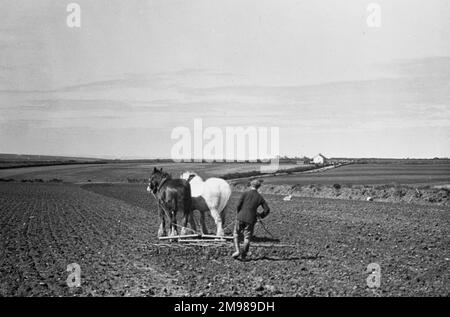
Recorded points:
223,160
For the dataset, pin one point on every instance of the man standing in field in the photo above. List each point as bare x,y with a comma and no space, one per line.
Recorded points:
247,216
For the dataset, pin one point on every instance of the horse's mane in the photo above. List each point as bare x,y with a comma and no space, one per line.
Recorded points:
166,175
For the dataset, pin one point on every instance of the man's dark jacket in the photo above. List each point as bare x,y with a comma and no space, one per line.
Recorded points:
248,205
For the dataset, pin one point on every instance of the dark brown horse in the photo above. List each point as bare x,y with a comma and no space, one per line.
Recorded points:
173,195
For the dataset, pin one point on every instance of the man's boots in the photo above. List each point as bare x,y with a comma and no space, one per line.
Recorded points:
236,254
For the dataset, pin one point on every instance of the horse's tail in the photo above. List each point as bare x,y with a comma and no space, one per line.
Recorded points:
225,196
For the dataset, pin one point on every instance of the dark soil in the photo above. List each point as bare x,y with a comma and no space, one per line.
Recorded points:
110,231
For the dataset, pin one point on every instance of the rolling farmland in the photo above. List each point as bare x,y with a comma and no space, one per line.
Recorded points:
428,173
121,172
109,229
367,174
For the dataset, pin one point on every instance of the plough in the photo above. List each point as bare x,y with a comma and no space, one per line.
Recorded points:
197,237
199,240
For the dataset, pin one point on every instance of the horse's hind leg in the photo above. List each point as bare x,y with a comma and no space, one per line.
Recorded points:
203,222
174,224
162,225
192,221
218,220
173,218
187,216
223,215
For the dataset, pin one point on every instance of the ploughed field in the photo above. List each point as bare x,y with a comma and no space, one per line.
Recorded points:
125,172
427,173
418,174
110,231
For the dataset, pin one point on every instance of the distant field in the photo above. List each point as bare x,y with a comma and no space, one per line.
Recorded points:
41,158
121,172
426,172
18,160
383,173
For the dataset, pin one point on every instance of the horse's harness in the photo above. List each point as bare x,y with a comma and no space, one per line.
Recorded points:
165,179
158,188
162,203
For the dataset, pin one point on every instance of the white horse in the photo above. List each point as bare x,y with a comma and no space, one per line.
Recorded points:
210,195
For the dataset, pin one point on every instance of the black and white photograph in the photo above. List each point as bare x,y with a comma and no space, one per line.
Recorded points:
224,153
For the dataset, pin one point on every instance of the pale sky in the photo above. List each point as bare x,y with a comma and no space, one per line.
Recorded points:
136,70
